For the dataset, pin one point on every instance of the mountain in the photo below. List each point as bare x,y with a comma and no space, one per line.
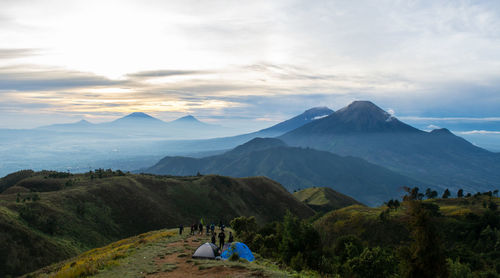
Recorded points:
439,157
225,143
295,168
136,120
189,119
324,199
297,121
65,214
80,125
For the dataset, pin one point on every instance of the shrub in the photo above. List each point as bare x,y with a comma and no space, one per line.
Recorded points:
372,262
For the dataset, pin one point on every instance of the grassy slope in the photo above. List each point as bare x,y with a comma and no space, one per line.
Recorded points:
460,224
324,198
161,253
95,212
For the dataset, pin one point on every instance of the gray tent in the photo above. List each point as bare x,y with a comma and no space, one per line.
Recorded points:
206,251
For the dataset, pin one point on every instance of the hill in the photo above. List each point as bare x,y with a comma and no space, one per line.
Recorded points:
295,168
364,130
324,199
162,253
73,213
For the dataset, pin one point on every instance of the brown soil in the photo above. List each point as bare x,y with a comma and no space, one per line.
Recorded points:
188,267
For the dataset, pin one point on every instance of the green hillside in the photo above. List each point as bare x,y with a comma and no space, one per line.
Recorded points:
296,168
77,212
415,238
324,199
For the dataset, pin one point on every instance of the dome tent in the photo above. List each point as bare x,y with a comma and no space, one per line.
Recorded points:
206,251
239,248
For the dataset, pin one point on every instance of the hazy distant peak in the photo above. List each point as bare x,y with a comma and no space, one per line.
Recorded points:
317,112
308,116
187,118
83,122
319,109
139,115
441,131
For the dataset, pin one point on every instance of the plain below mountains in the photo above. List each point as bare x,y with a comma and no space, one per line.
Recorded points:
50,216
440,158
295,168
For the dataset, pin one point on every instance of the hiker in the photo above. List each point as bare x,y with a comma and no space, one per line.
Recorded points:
192,229
231,239
222,236
208,229
201,228
212,228
213,238
181,228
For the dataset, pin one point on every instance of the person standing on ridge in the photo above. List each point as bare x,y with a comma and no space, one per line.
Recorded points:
213,238
222,237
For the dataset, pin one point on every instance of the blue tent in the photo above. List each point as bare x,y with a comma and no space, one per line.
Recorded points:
239,248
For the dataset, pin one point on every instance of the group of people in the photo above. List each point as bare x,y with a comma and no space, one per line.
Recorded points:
210,229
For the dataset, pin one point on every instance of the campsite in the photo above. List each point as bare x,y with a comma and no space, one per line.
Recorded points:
162,253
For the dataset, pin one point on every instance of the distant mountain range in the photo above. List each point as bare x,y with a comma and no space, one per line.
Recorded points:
378,156
295,168
364,130
142,124
226,143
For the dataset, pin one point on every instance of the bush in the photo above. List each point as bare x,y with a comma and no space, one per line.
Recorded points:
458,270
298,262
372,262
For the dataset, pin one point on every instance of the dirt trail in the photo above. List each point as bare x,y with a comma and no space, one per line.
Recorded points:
180,259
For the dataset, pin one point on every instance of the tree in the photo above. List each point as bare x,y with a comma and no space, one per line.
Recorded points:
428,193
434,194
372,262
425,257
493,206
446,194
460,193
412,194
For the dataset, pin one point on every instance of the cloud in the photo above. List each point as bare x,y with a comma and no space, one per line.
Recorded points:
13,53
486,132
451,119
30,78
163,73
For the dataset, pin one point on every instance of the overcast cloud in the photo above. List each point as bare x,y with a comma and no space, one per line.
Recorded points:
252,63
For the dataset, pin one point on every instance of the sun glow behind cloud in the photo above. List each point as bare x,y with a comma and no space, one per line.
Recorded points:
257,60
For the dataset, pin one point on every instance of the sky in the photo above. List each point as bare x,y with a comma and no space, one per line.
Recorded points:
248,64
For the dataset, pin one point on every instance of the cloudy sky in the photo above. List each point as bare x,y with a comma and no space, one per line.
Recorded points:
249,63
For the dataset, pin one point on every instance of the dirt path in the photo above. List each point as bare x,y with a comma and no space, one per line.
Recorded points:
178,262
